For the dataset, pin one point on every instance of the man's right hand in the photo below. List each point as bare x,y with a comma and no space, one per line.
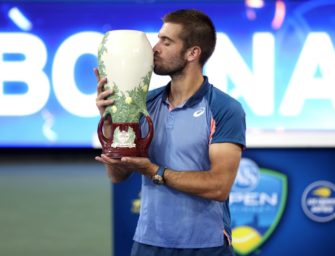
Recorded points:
101,101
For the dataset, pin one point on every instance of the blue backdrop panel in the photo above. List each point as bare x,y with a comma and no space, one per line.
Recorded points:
295,234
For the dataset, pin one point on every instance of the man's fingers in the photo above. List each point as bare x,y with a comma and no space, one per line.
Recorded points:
110,160
101,84
131,160
96,73
138,161
103,95
104,103
99,159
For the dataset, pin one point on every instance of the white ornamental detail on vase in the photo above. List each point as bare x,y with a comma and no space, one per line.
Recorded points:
124,139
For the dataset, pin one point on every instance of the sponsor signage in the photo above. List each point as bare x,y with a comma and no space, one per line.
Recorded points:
318,201
257,203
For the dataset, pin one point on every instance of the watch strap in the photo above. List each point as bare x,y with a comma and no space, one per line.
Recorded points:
158,178
161,171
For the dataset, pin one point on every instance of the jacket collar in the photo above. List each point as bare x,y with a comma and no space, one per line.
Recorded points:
194,99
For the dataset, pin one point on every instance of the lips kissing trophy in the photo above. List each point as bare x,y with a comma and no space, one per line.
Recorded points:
125,57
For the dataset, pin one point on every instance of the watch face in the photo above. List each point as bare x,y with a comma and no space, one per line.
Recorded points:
157,179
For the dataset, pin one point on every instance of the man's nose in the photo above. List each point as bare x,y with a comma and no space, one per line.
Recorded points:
155,49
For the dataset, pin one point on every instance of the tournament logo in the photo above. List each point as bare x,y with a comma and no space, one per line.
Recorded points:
257,202
318,201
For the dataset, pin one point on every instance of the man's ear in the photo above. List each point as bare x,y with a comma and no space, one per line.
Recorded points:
193,53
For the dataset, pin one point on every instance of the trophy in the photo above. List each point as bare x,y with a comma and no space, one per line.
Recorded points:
125,57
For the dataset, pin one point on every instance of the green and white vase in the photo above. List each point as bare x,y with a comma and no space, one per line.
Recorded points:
125,57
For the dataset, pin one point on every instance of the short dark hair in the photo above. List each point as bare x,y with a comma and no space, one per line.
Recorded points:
198,30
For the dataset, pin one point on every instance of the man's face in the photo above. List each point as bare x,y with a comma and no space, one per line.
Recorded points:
169,55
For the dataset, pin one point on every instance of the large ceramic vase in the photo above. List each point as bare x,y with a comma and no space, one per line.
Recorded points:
125,57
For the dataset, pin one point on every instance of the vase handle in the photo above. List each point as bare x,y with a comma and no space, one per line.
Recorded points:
147,139
103,140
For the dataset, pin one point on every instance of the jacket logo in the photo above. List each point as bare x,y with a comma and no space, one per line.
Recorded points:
199,112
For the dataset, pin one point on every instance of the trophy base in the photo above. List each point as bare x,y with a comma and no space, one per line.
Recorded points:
118,153
125,139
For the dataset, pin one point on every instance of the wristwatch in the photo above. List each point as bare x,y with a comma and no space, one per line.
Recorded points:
158,178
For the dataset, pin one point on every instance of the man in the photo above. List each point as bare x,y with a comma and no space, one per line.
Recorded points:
195,152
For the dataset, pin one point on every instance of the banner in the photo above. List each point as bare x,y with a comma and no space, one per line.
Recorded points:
275,57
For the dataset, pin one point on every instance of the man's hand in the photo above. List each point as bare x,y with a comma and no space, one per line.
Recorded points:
101,101
142,165
116,170
120,169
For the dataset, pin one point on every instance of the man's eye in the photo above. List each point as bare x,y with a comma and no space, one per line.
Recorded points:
166,42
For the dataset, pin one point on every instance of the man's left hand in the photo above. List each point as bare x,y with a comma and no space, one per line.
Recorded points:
140,164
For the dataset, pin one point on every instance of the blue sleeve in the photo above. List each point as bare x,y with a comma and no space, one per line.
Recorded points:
229,120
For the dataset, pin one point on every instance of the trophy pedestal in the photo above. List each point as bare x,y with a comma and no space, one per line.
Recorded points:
125,139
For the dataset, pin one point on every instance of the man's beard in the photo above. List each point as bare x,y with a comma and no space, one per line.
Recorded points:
173,69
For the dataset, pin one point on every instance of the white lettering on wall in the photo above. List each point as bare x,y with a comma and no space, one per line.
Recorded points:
29,71
256,84
65,87
317,54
